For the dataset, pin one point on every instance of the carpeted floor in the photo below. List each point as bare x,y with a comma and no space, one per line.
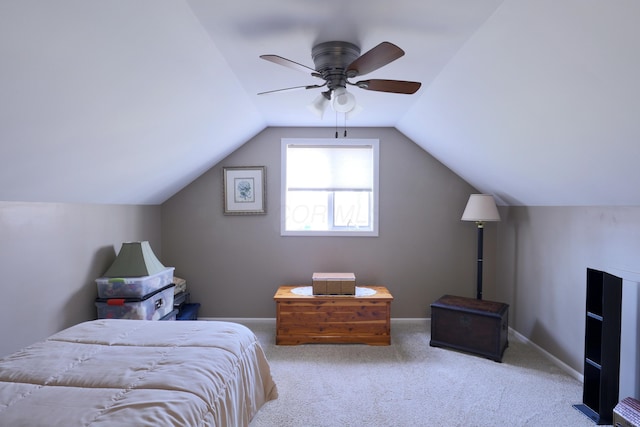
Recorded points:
410,383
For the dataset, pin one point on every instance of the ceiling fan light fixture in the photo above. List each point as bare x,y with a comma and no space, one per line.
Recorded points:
354,112
342,101
319,105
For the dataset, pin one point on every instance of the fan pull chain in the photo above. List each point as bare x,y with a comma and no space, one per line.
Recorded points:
345,125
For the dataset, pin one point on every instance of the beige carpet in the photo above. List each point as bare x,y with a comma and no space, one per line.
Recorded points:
410,383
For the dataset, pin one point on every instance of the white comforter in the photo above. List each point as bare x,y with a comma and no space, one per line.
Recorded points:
137,373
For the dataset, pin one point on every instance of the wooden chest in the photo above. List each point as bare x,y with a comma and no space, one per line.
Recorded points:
471,325
333,318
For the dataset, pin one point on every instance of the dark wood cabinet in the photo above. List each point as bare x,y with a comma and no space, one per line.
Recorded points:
470,325
601,346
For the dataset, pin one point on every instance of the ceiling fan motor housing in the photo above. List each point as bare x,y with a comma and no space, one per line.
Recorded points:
336,62
331,60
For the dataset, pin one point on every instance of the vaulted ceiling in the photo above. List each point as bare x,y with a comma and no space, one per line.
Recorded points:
534,101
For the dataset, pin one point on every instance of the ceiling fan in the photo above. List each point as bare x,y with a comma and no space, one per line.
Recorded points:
336,62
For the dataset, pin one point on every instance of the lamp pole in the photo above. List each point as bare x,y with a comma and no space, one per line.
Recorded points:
480,209
480,225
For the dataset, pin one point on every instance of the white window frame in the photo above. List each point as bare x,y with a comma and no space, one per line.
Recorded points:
374,143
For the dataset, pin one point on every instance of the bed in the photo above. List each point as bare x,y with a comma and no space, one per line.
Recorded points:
137,373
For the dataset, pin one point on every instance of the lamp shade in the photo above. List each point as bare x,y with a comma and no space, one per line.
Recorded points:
481,208
135,259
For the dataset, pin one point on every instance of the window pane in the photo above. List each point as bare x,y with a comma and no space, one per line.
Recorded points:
307,210
330,167
351,209
329,187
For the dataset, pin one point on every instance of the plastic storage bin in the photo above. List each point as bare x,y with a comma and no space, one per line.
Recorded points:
171,315
153,306
133,287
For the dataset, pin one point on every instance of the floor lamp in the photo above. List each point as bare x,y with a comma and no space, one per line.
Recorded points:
480,209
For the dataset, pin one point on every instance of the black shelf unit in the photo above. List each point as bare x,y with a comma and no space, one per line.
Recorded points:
601,346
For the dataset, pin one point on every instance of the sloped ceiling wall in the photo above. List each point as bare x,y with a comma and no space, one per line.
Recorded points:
541,106
112,102
534,101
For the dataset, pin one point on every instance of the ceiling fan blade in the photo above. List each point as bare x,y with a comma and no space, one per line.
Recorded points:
393,86
293,88
290,64
375,58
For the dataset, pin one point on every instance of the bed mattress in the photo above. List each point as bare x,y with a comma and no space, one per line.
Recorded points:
113,372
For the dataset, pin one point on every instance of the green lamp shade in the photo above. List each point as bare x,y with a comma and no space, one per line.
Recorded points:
135,259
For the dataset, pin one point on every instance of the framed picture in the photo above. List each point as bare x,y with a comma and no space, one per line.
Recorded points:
244,189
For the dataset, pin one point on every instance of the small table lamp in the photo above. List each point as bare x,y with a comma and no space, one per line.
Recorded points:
480,209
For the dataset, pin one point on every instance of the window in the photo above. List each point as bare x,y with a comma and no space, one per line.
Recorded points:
329,187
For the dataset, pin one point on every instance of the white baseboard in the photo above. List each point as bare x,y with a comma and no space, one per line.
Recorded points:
426,320
559,363
513,333
273,320
264,320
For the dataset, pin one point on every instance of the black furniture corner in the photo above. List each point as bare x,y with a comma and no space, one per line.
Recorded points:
601,346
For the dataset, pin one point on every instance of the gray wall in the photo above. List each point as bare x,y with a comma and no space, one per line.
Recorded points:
535,258
50,256
543,254
233,265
